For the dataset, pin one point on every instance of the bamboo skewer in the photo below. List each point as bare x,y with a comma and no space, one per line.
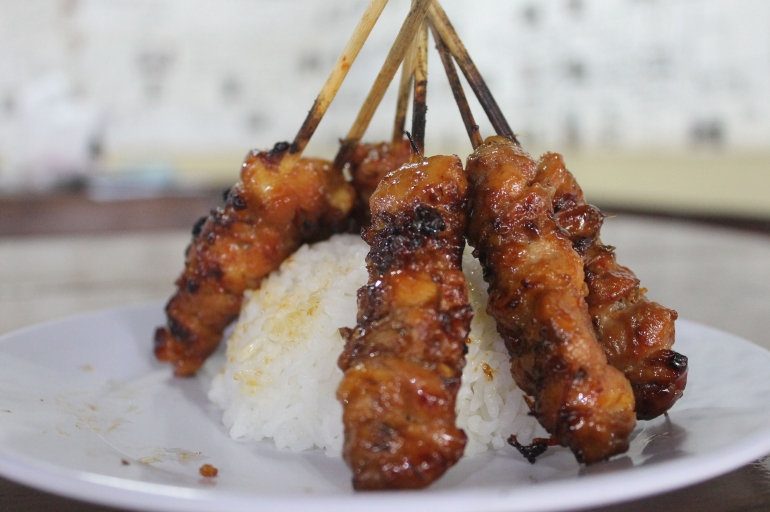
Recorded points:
404,92
334,81
457,90
441,24
396,55
412,51
420,105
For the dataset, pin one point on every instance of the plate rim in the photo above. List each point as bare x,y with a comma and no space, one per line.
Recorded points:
143,495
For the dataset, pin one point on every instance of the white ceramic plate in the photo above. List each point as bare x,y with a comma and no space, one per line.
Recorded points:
86,411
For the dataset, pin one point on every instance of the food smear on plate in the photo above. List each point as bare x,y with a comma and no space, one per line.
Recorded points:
208,471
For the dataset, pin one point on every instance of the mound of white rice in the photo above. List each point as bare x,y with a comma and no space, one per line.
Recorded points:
280,375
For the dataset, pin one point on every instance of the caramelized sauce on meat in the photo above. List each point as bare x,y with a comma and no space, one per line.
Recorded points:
368,164
636,333
537,296
268,215
402,363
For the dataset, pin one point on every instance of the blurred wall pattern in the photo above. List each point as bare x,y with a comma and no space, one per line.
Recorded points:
642,94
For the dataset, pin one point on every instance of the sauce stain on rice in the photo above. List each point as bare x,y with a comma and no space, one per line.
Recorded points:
488,371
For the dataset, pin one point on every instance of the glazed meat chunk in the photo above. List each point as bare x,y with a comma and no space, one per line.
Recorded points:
537,296
636,333
268,215
403,361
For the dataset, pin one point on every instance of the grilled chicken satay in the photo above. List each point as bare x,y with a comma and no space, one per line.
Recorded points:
537,296
268,215
636,333
403,362
367,165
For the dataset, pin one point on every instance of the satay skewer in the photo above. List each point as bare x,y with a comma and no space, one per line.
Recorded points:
420,98
281,202
404,93
457,90
334,81
394,59
439,21
616,302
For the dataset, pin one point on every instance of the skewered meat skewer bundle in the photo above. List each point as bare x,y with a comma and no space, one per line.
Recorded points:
549,276
281,202
402,363
536,284
537,296
266,218
636,333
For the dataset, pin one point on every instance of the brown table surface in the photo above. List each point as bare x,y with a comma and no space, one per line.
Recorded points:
713,275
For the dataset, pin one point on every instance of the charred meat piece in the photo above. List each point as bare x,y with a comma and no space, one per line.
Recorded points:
367,165
537,296
403,361
636,333
267,216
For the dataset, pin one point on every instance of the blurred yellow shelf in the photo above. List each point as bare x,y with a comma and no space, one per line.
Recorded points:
708,183
728,183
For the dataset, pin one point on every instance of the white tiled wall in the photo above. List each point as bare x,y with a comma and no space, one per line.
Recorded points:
130,77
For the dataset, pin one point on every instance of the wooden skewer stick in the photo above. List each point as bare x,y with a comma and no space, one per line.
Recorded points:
440,22
457,90
420,105
334,81
404,92
396,55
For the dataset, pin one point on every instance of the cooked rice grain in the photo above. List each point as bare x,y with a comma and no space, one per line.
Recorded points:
280,375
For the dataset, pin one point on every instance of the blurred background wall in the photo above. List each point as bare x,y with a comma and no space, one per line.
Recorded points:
658,104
